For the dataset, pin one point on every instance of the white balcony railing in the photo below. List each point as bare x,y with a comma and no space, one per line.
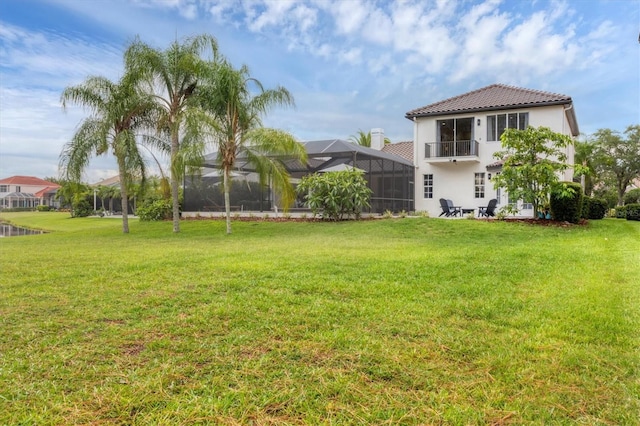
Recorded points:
451,149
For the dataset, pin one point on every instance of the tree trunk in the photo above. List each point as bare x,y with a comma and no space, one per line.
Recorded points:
123,193
227,202
174,182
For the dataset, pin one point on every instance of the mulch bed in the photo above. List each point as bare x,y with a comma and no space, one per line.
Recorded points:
545,222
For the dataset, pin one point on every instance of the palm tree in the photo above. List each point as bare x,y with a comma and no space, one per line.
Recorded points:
237,130
364,139
172,77
361,138
117,111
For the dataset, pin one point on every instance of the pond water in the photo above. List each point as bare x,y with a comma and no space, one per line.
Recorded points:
8,230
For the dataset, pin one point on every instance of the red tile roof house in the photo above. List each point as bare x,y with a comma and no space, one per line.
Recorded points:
455,140
27,192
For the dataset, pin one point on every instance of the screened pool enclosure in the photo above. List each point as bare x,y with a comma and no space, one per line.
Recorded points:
389,176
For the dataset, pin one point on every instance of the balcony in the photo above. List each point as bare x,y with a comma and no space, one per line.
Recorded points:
454,150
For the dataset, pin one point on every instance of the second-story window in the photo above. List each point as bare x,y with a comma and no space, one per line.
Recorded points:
496,124
4,188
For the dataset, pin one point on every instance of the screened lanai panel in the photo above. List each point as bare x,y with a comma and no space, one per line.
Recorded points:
389,177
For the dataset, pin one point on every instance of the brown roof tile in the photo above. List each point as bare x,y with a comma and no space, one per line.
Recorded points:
401,149
496,96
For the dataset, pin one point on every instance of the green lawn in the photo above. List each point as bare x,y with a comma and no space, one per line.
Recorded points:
398,321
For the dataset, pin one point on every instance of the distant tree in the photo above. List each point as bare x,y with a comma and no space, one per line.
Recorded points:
617,159
74,195
103,192
632,196
235,103
532,161
361,138
118,110
172,77
364,139
584,156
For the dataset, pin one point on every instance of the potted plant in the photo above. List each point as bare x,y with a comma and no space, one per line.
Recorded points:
545,212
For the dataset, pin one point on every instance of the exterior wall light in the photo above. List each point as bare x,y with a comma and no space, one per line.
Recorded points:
478,121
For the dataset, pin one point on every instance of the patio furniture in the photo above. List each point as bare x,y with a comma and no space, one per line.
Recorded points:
448,209
467,211
455,209
489,210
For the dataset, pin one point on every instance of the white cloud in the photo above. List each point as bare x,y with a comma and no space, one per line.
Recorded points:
352,56
274,12
349,15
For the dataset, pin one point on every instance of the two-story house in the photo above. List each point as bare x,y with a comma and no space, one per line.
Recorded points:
26,192
455,139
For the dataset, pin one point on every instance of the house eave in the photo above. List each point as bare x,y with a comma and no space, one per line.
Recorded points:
411,117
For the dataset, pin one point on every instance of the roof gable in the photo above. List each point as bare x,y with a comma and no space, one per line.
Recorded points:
494,97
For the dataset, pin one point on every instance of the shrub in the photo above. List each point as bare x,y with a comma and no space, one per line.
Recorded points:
43,208
81,208
594,208
335,195
155,210
632,197
621,212
566,202
633,211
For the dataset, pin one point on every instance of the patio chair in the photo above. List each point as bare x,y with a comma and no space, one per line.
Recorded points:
489,210
455,210
447,208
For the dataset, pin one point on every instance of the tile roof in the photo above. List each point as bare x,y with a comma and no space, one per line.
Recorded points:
495,96
112,181
47,190
26,180
402,149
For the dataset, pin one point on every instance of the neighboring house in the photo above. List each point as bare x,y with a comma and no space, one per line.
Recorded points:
27,192
455,140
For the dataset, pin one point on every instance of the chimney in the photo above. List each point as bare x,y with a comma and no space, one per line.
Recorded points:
377,138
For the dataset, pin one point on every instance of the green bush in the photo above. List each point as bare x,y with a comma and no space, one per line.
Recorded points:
632,197
633,211
621,212
155,210
81,208
594,208
18,209
566,202
335,195
43,208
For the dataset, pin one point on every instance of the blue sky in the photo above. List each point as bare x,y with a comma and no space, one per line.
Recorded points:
350,64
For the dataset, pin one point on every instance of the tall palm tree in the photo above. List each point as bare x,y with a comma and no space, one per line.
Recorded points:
118,110
236,103
172,77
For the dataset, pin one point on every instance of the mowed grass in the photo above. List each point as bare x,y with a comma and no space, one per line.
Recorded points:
404,321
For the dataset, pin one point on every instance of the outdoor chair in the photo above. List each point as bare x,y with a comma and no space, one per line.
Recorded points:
447,208
489,210
455,210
